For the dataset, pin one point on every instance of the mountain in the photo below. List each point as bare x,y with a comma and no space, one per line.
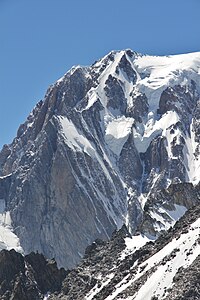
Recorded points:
114,143
124,267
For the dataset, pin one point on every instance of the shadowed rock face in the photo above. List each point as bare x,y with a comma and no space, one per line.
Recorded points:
95,152
29,277
115,94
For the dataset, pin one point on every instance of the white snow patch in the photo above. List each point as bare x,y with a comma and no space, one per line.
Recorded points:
92,98
145,133
75,139
2,177
8,239
117,132
133,244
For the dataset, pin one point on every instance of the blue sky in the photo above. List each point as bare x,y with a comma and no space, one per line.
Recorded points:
41,39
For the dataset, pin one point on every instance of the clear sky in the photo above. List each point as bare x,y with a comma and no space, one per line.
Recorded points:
41,39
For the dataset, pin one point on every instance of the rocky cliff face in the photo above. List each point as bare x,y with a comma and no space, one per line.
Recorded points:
98,150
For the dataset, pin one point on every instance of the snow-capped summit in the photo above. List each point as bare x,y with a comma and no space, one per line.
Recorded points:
111,143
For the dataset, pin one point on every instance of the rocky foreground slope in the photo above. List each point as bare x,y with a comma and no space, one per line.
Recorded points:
168,268
98,150
165,269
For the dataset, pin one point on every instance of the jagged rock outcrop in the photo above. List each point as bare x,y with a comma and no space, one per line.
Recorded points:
27,278
99,148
